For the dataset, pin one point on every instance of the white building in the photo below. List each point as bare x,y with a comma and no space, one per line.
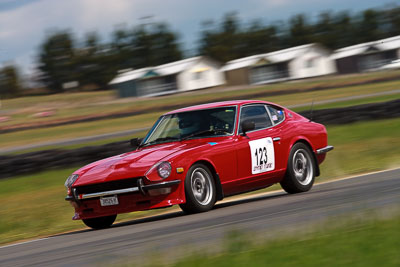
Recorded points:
293,63
184,75
367,56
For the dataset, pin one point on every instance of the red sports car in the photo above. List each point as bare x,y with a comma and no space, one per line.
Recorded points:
197,155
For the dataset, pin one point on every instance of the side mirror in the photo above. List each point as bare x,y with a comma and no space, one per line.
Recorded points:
135,142
247,126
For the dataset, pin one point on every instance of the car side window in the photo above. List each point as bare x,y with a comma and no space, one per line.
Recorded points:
256,113
277,114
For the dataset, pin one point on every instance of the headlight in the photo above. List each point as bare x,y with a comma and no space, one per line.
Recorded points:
159,171
164,169
70,180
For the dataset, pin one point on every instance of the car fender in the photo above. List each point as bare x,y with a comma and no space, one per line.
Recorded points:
307,142
210,164
185,162
213,169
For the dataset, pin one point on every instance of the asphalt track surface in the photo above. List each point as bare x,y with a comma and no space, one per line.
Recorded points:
174,233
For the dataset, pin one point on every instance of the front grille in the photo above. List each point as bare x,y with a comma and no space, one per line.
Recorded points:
107,186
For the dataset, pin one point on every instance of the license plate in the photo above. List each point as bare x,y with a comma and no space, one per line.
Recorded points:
109,201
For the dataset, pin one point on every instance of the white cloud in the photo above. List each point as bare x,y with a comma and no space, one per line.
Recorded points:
275,3
24,27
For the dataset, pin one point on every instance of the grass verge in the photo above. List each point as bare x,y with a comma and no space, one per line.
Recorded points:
34,206
74,105
354,243
33,136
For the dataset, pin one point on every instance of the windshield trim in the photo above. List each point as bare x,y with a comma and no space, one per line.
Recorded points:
153,129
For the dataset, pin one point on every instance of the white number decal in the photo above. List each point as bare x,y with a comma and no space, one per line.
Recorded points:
262,155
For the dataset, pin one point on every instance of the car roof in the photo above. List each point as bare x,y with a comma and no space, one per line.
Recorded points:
219,104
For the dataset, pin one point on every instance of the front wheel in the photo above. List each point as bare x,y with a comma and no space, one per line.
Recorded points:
300,173
100,222
200,190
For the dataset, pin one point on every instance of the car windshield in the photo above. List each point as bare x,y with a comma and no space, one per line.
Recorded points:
192,124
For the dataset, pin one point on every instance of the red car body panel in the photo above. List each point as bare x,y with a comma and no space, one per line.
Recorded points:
227,156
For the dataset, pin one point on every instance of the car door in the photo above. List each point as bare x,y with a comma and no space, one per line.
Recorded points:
257,150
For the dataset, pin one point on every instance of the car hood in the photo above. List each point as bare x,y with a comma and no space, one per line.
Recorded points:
131,164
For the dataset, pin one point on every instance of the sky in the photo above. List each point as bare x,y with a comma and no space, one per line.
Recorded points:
24,24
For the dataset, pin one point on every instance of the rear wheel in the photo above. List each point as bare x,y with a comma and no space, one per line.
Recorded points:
300,173
200,190
100,222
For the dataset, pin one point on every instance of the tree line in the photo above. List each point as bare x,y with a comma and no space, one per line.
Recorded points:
65,62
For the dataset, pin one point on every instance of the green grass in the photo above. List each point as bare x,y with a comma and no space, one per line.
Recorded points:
362,147
76,130
135,122
348,103
373,242
308,97
34,205
72,105
80,145
145,120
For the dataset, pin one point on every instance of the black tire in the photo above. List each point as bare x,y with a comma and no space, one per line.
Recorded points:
100,222
200,190
301,169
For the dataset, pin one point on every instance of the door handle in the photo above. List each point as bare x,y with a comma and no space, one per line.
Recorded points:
275,139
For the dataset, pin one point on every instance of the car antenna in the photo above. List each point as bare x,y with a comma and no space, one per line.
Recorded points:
312,110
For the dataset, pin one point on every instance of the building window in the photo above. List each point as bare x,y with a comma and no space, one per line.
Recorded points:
198,75
310,63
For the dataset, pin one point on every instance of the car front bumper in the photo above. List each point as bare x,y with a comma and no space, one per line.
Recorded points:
139,188
140,197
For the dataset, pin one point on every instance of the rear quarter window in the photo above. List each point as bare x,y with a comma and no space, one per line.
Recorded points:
277,114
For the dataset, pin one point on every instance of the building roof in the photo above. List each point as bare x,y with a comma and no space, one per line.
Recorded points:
275,57
130,75
176,67
382,45
162,70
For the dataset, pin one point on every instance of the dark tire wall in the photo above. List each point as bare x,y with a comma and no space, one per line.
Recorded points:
28,163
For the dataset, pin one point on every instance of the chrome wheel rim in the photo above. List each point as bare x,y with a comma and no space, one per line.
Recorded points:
201,186
302,167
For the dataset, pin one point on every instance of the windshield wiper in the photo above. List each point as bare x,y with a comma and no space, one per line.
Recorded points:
215,131
160,140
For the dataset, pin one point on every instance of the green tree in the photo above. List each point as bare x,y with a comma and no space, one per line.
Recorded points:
142,54
369,27
92,61
57,61
154,44
222,43
392,21
165,45
10,84
300,31
145,45
258,39
324,32
344,30
121,48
